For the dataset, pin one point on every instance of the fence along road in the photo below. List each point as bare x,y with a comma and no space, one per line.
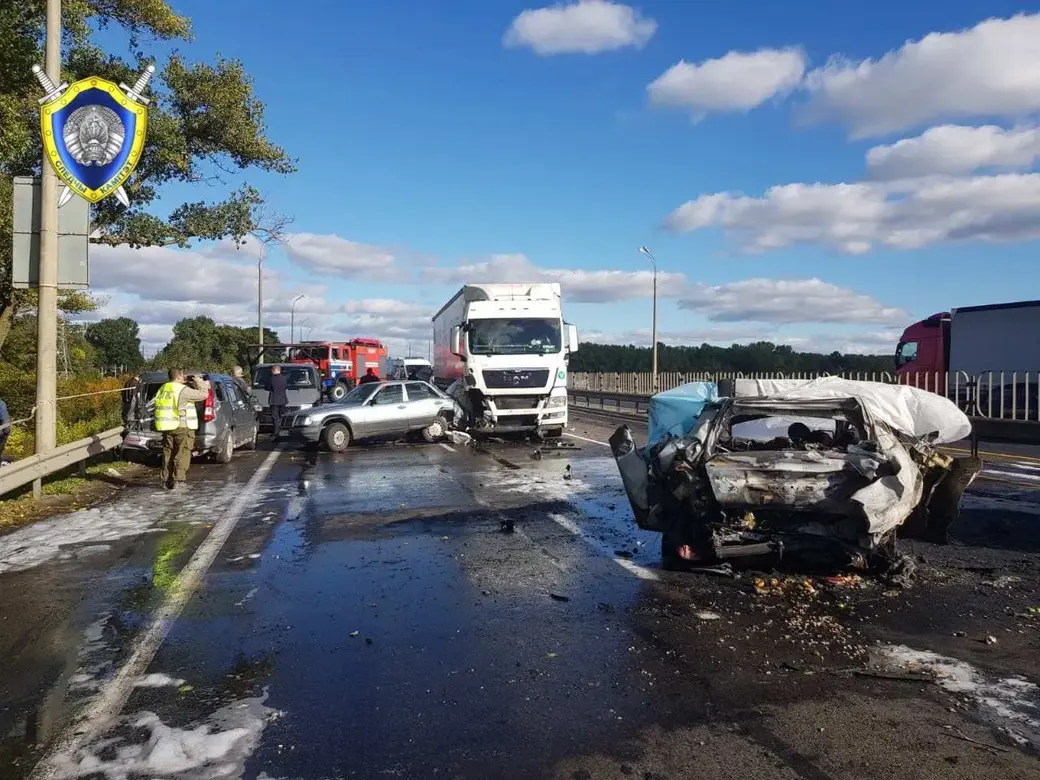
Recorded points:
1004,405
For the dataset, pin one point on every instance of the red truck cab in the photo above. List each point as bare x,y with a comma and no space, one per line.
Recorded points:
924,347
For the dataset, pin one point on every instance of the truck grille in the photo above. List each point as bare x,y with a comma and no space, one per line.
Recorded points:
516,377
509,402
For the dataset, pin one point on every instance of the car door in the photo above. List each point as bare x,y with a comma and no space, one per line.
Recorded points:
388,411
245,416
422,405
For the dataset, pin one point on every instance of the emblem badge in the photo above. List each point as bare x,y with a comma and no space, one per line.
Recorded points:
93,133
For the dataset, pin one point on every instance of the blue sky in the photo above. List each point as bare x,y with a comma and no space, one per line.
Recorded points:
468,140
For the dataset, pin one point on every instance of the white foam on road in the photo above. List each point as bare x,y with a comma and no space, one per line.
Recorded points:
98,714
215,748
158,680
1012,704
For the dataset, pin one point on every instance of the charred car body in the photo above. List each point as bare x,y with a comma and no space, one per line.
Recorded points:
830,471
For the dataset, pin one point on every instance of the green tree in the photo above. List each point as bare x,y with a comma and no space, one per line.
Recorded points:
75,353
199,343
760,357
205,124
116,341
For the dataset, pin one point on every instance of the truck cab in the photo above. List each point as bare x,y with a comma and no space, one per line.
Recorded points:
924,347
505,349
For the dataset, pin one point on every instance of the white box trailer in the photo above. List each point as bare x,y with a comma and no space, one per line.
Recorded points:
503,349
998,337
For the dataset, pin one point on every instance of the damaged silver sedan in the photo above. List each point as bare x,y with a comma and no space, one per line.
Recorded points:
828,472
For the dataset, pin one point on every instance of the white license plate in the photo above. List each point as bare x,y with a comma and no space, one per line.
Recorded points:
134,439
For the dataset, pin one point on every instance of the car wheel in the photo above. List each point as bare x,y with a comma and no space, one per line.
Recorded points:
251,444
336,437
227,449
337,391
435,430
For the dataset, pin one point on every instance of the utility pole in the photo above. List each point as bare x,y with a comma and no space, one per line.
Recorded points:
260,296
653,370
47,293
292,318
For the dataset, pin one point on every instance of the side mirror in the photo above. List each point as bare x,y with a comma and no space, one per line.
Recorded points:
257,408
572,338
456,340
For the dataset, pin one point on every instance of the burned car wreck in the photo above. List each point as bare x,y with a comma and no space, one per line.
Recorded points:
829,472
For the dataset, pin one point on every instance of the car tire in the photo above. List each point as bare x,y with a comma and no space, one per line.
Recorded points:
435,431
337,391
227,449
336,437
251,444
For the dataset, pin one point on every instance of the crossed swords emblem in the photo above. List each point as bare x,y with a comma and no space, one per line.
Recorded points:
135,93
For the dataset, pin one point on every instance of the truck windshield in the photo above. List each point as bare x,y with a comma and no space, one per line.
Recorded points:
514,336
906,352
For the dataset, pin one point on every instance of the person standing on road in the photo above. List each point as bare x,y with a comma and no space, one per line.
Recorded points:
177,419
369,377
239,376
5,427
279,399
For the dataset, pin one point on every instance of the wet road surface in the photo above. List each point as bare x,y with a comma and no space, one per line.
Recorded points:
368,614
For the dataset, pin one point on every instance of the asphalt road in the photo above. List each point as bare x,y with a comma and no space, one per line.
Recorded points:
368,615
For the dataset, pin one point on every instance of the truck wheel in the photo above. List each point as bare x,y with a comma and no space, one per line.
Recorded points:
336,437
337,391
435,430
552,433
227,449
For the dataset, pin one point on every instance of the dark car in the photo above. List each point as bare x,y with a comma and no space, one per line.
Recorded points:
302,384
232,423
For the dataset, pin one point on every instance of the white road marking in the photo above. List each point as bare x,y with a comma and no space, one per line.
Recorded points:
109,702
448,447
1014,475
590,441
570,526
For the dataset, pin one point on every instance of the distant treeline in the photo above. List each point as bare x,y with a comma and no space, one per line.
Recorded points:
760,357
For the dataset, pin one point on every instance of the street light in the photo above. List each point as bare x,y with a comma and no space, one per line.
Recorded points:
292,317
260,293
653,263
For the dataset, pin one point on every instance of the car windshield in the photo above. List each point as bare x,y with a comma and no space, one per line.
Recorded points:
527,336
296,377
359,394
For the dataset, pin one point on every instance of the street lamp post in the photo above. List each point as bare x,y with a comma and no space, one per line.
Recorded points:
260,295
292,318
653,264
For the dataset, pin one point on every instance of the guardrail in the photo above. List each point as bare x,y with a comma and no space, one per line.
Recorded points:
1002,395
983,429
21,472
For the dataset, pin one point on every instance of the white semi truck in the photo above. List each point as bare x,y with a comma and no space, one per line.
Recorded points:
503,351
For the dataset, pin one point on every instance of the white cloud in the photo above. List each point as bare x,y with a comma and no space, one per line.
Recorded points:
954,149
738,81
990,70
580,286
584,27
854,218
331,255
787,301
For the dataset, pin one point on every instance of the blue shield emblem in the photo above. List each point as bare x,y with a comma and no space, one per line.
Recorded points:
94,135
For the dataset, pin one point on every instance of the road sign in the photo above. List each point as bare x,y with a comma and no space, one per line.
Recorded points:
73,238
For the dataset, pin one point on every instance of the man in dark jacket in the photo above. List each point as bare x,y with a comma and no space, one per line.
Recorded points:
369,377
279,399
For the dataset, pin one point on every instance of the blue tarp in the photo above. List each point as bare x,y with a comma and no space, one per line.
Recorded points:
676,411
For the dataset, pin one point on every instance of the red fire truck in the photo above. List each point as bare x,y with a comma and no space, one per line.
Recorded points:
340,363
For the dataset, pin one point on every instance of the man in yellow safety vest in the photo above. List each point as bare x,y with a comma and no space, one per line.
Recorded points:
178,420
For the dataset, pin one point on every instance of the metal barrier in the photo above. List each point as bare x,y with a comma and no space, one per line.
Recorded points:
983,429
22,472
1001,395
